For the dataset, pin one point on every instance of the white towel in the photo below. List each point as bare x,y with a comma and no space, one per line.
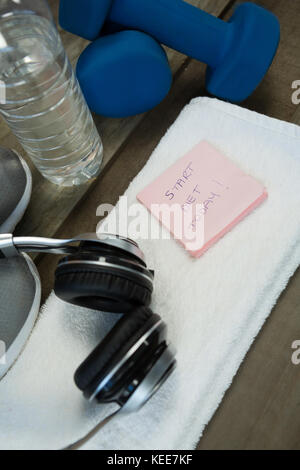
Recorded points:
214,306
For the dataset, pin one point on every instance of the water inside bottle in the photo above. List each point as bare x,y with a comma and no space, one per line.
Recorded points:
44,106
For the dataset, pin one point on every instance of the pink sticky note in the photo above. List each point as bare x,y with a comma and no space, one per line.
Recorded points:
201,197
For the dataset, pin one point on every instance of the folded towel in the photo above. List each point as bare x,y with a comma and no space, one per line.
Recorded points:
214,306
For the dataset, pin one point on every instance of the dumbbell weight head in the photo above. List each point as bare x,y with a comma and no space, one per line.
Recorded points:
252,45
238,53
124,74
84,18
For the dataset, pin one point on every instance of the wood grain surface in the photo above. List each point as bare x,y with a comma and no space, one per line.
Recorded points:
261,410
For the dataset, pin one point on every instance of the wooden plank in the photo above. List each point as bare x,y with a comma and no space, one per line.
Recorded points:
274,96
50,204
296,116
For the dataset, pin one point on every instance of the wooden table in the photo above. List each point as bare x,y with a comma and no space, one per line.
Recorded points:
261,410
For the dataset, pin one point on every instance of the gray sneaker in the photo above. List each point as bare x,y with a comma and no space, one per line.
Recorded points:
20,288
15,189
20,296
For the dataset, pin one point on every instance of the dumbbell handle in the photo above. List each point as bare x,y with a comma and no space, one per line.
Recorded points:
176,24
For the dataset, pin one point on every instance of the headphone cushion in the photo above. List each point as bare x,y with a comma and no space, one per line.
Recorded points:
100,290
114,346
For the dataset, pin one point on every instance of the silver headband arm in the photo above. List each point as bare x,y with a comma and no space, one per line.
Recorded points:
12,246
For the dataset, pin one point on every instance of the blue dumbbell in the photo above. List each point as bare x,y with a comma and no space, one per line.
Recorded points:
124,74
238,52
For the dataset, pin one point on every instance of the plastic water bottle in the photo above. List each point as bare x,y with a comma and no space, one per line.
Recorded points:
40,98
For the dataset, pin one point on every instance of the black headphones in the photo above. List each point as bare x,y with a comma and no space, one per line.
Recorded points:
109,273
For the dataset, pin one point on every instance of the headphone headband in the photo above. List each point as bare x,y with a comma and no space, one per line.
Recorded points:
12,246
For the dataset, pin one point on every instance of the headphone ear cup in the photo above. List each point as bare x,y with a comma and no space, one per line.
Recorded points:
114,346
100,290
